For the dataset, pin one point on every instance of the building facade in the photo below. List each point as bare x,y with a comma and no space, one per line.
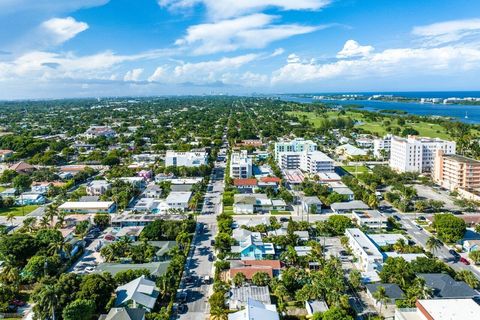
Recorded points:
380,144
185,159
417,154
456,172
240,165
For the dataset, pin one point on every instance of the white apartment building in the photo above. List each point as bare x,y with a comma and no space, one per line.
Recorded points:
417,154
316,161
240,165
185,159
297,145
369,257
380,144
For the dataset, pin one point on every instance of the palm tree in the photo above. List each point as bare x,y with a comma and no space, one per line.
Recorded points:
44,222
381,297
61,219
10,272
468,277
51,212
49,299
10,217
433,244
399,246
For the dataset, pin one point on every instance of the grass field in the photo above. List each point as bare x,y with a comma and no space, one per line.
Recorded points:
18,211
358,170
424,128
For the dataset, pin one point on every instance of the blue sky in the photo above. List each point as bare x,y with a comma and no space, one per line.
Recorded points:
90,48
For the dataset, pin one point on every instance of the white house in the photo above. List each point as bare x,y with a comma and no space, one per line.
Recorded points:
98,187
312,203
138,293
256,310
178,200
89,207
185,159
347,207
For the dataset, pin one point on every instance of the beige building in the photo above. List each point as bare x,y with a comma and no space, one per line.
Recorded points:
456,172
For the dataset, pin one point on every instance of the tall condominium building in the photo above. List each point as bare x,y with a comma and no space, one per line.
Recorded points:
185,159
380,144
316,161
417,154
240,165
456,172
297,145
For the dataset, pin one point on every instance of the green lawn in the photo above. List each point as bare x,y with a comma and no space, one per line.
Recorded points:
2,189
18,211
425,129
358,170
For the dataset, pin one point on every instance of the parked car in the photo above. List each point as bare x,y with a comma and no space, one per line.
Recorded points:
464,261
454,254
283,219
90,269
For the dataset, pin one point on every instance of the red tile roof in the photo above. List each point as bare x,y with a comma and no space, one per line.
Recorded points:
250,267
271,179
245,182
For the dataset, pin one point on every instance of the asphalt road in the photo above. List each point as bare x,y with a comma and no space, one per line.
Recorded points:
200,263
421,236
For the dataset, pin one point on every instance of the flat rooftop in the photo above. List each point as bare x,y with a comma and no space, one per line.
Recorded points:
364,242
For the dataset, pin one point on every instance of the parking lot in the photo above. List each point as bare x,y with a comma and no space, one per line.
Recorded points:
91,256
436,194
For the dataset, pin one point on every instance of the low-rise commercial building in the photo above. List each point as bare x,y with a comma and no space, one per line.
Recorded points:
373,219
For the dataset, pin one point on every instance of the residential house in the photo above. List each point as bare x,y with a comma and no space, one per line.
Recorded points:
22,167
153,191
273,182
255,310
349,151
312,204
99,131
124,314
178,200
238,297
445,287
250,246
250,183
5,155
340,188
138,293
315,306
41,187
471,245
98,187
30,198
250,267
9,193
392,292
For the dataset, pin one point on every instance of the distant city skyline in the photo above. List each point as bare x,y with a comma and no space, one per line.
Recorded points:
98,48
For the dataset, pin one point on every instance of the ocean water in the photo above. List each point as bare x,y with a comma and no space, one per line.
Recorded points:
464,113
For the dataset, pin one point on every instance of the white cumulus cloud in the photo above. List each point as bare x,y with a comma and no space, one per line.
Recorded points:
352,48
133,75
58,30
